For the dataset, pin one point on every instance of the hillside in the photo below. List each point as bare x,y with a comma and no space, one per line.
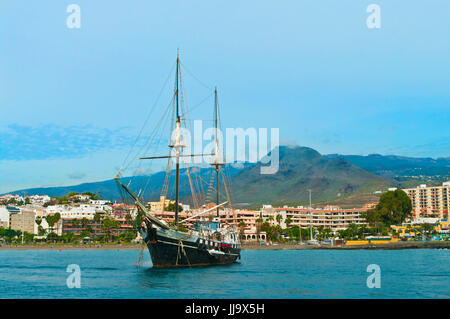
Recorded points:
400,167
301,168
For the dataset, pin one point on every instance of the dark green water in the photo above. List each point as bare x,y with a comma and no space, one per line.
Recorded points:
422,273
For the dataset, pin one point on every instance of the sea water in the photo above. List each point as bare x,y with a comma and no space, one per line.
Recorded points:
418,273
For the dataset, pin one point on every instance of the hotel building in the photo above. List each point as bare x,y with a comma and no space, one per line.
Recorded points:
332,217
23,219
431,201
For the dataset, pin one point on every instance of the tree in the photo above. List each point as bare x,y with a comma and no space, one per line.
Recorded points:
127,236
92,196
279,218
41,230
427,229
108,225
171,208
242,226
97,217
288,221
52,220
259,222
84,222
394,207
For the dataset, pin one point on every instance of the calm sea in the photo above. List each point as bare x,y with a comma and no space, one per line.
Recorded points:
423,273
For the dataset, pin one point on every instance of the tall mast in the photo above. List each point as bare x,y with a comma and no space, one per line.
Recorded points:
217,150
177,142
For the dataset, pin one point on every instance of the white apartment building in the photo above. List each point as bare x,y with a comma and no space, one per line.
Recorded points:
79,211
4,217
429,201
329,217
39,200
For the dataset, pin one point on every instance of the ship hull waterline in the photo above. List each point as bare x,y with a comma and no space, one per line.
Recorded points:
172,252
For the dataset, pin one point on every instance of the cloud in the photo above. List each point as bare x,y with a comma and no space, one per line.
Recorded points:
18,142
287,142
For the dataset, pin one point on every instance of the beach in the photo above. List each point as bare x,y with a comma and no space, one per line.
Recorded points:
393,245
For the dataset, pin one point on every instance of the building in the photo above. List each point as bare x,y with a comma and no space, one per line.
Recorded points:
431,201
80,197
4,217
331,217
24,219
78,210
11,199
120,211
39,200
160,205
96,227
234,217
410,229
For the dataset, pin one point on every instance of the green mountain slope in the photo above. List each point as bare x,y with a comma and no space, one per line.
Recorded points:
300,169
303,168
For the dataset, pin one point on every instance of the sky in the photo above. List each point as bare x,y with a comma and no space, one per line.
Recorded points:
73,100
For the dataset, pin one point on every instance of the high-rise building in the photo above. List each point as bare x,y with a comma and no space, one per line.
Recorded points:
25,219
429,201
332,217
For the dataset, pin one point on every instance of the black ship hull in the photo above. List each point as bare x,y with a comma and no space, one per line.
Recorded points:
176,249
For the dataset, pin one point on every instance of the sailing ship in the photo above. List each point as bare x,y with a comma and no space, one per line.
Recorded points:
202,243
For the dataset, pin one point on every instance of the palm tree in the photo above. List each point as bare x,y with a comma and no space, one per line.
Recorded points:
279,218
108,225
259,222
52,220
97,217
242,226
288,221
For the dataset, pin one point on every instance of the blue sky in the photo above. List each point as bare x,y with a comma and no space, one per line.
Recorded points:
73,100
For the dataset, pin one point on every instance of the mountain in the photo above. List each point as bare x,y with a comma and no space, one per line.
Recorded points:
149,186
400,167
303,168
300,169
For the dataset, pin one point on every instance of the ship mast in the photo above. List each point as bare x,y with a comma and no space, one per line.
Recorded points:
177,145
217,162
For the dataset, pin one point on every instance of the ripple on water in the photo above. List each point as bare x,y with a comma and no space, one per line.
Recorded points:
260,274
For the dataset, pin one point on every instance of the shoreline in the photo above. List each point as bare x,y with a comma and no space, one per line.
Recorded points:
72,247
390,246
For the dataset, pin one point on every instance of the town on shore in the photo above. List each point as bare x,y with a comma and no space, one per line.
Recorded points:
414,214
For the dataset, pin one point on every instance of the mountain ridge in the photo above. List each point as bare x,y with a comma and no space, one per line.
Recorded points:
300,169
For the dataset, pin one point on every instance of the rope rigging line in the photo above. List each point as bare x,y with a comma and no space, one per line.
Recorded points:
148,116
194,77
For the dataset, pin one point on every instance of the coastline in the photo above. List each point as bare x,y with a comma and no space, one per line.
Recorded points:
390,246
72,247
